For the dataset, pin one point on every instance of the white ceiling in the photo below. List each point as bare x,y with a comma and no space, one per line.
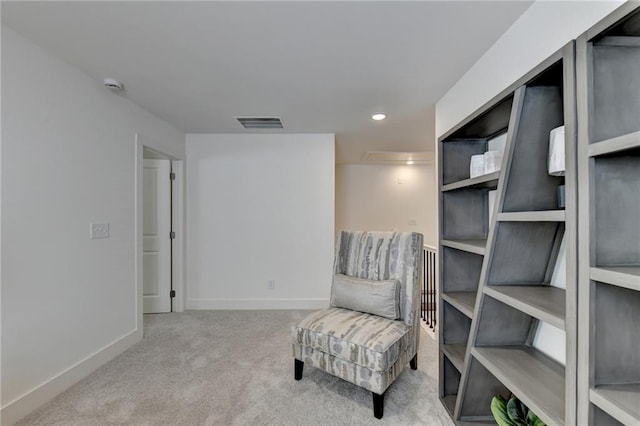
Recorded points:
323,67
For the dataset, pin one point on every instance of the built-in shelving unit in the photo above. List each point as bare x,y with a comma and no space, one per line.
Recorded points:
608,58
496,270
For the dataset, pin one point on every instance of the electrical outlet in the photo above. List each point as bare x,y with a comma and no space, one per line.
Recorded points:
99,230
271,285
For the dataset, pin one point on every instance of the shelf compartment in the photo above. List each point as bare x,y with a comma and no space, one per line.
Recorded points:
481,386
492,120
449,384
502,325
455,325
456,158
460,270
528,185
464,301
455,353
541,301
449,402
536,379
465,214
615,323
485,181
615,105
622,276
619,401
618,144
535,216
524,252
616,207
471,246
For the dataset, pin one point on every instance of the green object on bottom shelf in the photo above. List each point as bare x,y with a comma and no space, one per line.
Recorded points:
513,413
499,411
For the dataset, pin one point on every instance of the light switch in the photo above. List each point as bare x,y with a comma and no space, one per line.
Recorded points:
412,222
99,230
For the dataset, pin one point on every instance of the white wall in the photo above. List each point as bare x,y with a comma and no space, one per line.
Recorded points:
541,30
260,208
68,302
370,197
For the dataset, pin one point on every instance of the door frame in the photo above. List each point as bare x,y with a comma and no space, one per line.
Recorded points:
178,224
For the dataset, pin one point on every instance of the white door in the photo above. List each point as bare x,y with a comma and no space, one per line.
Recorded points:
156,236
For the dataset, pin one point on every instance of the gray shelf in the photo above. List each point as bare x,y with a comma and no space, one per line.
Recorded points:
535,216
455,353
610,146
464,301
471,246
485,181
540,301
622,276
622,402
531,376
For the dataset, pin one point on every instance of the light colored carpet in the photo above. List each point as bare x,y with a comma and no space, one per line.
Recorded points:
234,368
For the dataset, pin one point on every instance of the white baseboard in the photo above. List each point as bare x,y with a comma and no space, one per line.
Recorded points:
256,304
23,405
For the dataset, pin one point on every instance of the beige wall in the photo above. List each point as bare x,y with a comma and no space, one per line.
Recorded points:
370,197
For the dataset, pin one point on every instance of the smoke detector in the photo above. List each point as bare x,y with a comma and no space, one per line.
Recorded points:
113,85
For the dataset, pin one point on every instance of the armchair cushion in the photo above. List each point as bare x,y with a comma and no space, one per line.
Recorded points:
373,297
367,340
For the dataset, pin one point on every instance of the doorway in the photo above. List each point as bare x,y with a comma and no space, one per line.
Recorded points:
157,233
159,281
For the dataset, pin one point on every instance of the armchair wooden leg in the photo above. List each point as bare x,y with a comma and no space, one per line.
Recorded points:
414,362
378,405
299,365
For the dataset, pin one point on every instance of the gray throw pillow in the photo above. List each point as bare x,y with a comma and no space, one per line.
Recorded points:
380,298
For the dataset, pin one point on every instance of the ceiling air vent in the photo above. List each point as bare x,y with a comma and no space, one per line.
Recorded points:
260,122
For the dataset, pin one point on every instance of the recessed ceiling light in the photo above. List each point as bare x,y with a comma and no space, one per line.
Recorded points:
378,116
409,162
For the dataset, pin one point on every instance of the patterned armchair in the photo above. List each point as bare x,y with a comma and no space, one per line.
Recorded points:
370,332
